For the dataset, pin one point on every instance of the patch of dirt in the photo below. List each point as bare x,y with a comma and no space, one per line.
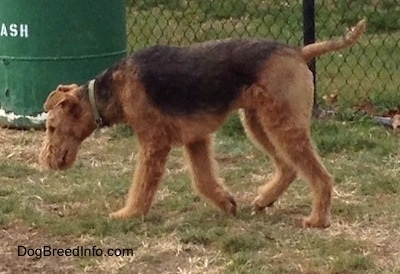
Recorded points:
20,145
384,241
19,235
166,255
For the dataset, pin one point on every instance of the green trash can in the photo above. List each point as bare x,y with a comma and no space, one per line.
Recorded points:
47,42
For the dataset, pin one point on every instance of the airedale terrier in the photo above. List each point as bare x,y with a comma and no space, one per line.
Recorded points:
180,95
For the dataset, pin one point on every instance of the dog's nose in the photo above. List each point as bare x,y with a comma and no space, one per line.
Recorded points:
62,159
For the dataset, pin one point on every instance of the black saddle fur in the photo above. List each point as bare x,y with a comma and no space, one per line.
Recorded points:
206,77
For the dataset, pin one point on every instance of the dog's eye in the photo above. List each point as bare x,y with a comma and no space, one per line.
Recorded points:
51,129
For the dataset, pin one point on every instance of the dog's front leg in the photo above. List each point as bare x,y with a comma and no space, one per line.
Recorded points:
203,169
149,170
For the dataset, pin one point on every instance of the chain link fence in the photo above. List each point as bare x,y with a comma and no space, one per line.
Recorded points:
368,72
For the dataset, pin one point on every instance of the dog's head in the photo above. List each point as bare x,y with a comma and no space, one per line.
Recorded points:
69,122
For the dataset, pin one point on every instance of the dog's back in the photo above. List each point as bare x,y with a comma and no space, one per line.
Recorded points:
206,77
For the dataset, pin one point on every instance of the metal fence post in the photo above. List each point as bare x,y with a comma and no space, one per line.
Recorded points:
308,38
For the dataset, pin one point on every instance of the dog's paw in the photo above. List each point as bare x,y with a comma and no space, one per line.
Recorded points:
231,206
227,204
124,213
260,203
313,221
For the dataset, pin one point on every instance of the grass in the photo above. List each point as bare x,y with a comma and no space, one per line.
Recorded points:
365,71
183,232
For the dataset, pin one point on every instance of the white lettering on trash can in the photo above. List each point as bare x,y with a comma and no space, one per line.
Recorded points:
14,30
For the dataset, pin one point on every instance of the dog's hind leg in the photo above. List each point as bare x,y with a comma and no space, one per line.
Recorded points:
284,173
296,147
283,101
150,167
202,165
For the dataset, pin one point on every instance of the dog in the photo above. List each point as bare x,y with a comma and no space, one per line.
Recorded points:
179,96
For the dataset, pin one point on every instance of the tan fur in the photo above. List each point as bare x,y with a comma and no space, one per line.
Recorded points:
313,50
276,114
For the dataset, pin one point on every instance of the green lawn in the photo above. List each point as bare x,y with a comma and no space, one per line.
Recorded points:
183,233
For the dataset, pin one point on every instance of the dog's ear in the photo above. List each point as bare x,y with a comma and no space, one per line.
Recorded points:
66,88
67,101
52,100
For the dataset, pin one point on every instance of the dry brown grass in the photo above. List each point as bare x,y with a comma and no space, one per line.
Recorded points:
65,209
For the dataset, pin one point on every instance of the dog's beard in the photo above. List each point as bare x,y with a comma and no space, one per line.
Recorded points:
60,159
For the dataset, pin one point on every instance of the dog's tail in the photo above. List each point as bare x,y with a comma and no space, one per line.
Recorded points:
313,50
